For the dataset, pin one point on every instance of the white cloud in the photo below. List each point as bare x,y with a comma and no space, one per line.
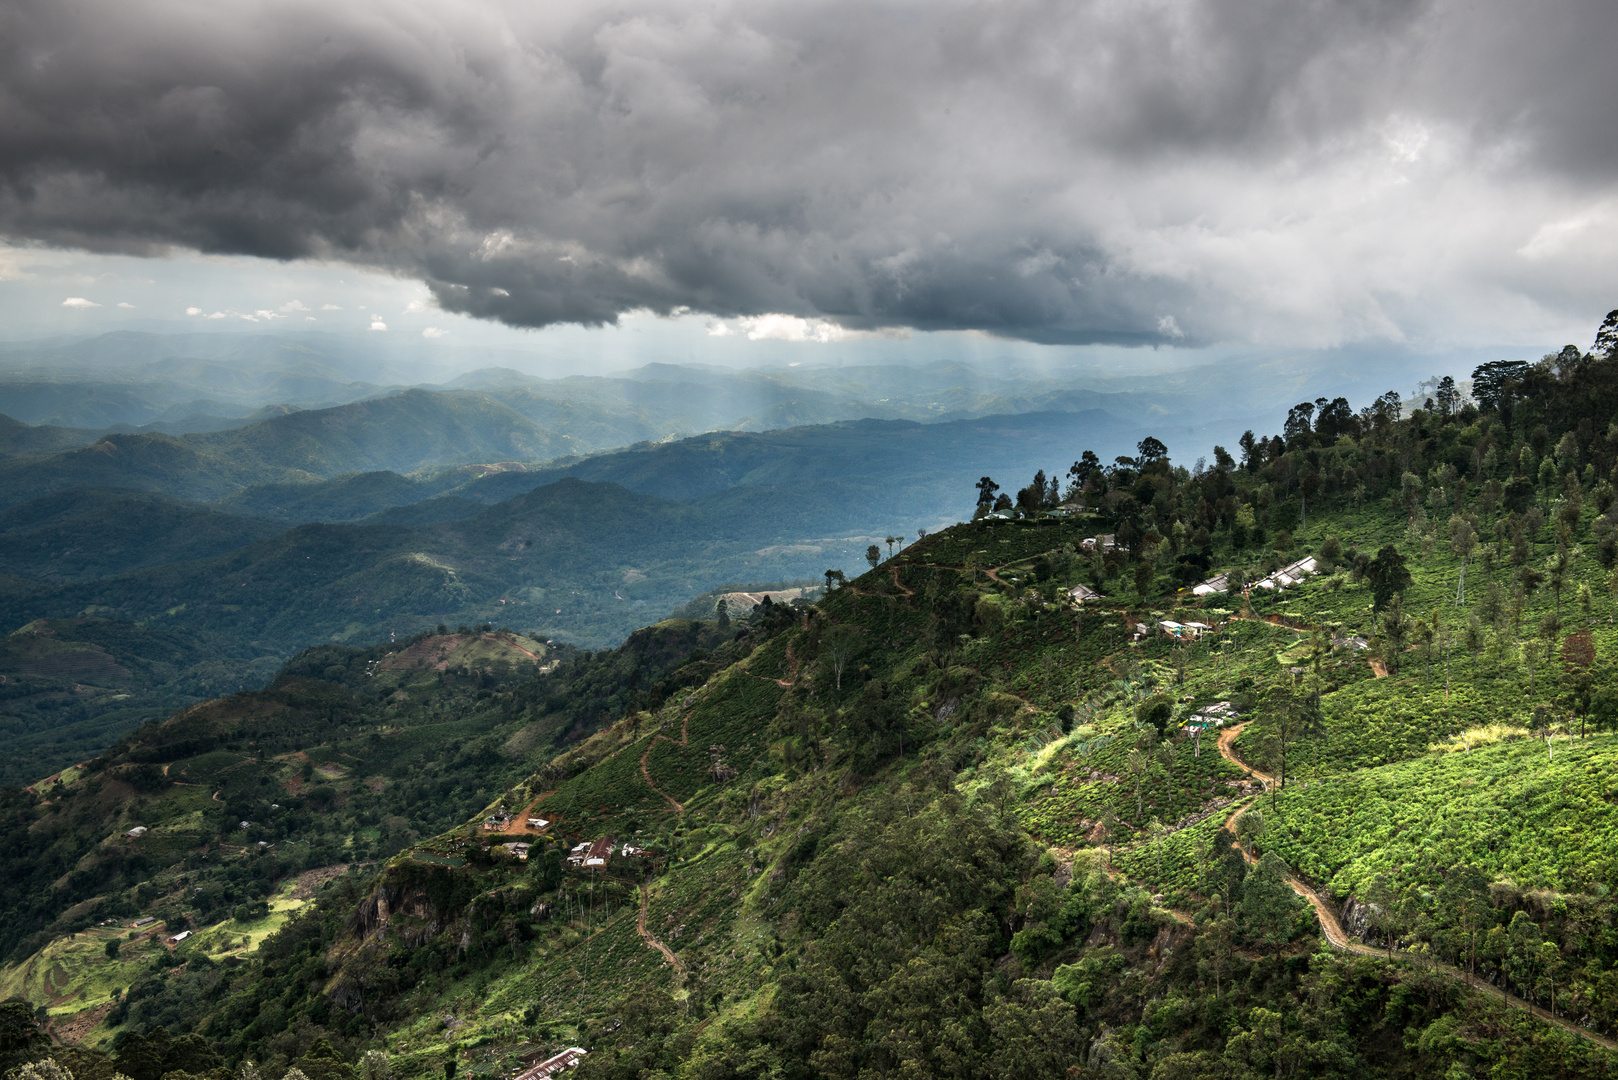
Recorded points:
1168,327
266,315
433,332
193,311
778,327
377,323
293,305
789,328
330,307
217,315
124,304
79,302
418,305
310,318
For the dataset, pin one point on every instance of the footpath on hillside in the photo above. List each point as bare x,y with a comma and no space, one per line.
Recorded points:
646,772
1339,938
651,938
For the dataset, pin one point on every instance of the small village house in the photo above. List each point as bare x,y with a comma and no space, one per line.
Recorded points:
543,1070
1289,575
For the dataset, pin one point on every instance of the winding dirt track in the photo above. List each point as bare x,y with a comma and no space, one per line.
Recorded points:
651,938
897,584
512,645
992,572
674,804
792,671
518,825
1339,938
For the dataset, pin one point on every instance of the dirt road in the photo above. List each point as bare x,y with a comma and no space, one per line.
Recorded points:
1339,938
646,773
650,938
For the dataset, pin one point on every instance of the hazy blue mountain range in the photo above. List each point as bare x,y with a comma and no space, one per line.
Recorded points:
181,383
229,509
404,432
584,552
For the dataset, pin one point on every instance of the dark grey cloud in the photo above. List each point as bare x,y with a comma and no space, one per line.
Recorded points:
1180,170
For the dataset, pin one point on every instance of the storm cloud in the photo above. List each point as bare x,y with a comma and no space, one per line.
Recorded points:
1177,171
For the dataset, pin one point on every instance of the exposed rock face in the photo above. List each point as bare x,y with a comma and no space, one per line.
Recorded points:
392,900
1358,918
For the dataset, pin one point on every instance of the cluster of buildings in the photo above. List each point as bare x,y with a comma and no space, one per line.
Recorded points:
1289,575
597,852
1216,715
1190,631
544,1070
1284,578
588,854
500,821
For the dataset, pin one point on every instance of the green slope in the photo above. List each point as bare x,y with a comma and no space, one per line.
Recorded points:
91,533
71,687
403,433
18,438
340,499
945,823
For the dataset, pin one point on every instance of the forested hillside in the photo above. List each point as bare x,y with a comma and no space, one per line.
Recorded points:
947,820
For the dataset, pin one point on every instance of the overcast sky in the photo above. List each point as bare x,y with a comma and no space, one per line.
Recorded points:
1184,173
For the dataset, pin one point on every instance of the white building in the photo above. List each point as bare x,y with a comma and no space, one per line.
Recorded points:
1289,575
567,1059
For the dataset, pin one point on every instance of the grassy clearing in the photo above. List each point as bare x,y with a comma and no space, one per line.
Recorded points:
74,973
